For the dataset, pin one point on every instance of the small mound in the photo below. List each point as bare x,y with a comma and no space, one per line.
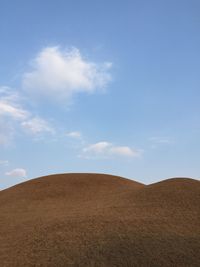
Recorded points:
173,193
176,182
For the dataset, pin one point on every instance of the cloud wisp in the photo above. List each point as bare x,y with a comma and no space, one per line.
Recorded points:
157,142
75,134
36,126
17,173
10,106
14,118
61,74
106,149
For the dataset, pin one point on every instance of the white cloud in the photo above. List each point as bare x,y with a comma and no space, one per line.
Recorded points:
19,172
75,134
125,151
11,114
7,109
14,118
61,74
98,148
36,126
9,105
107,149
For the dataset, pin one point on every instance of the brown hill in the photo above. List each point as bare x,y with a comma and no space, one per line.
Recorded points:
100,220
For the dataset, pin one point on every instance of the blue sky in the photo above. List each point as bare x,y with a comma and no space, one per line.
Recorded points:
99,86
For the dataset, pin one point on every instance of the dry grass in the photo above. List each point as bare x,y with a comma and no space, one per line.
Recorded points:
100,220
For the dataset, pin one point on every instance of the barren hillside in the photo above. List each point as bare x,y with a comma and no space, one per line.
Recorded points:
100,220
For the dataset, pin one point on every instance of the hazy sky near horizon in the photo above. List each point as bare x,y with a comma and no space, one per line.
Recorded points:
99,86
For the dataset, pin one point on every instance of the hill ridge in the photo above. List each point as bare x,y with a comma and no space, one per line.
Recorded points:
87,220
165,180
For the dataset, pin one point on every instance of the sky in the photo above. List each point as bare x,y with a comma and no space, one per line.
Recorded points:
99,86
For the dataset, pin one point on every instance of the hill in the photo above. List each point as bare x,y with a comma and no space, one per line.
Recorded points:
100,220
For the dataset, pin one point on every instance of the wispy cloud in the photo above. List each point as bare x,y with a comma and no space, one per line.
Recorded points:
14,117
60,74
157,141
10,106
125,151
37,126
98,148
75,134
7,109
107,149
18,172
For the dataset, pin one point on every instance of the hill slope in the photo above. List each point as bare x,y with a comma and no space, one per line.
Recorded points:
100,220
